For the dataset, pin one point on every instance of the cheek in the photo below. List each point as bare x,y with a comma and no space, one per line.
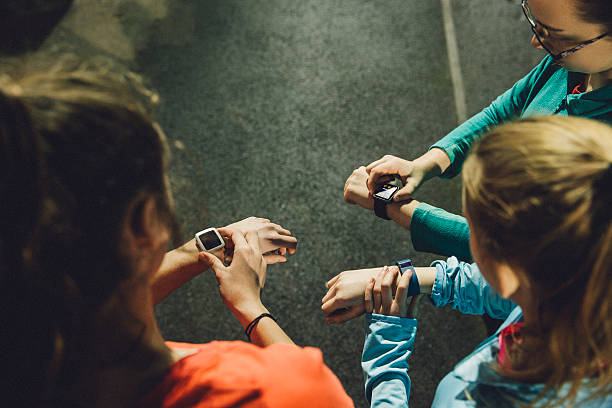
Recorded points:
589,61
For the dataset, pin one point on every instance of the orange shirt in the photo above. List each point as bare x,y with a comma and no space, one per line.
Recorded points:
239,374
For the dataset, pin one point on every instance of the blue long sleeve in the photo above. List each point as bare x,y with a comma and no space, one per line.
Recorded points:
462,286
389,342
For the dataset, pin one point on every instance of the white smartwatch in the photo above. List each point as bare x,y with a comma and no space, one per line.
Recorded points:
209,240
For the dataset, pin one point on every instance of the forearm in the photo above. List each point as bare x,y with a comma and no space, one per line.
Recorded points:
433,163
179,266
426,276
401,212
266,331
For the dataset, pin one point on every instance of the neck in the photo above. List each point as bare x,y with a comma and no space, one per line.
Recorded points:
599,80
526,301
127,328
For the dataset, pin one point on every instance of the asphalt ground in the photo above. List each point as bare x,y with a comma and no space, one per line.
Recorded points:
269,105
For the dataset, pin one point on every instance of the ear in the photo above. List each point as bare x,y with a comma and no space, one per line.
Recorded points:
508,280
143,226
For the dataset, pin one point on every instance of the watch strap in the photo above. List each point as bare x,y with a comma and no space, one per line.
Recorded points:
413,287
380,209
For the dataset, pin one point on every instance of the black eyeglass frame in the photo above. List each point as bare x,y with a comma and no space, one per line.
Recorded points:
533,23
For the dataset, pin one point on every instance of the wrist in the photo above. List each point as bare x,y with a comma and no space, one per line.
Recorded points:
401,212
433,163
246,312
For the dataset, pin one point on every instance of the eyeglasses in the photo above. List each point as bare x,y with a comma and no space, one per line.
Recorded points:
543,32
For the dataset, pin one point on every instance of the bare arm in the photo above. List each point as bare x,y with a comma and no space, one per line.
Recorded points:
179,266
344,299
240,286
183,263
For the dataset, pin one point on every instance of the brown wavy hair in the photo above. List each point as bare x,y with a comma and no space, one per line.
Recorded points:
539,194
77,146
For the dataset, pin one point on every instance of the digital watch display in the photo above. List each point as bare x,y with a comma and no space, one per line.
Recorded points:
209,240
384,195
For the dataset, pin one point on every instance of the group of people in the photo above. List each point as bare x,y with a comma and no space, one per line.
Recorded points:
87,217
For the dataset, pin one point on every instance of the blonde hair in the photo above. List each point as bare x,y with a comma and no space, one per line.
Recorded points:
539,195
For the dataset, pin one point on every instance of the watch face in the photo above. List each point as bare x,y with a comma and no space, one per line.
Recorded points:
210,239
386,192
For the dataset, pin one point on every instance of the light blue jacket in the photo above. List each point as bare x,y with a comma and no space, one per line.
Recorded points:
389,342
546,90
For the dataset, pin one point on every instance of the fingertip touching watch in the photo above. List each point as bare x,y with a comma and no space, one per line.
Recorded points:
413,288
384,195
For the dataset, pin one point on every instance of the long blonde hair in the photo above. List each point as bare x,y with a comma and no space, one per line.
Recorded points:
539,194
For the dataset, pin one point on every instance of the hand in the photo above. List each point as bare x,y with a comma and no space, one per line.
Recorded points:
410,172
240,283
356,189
345,296
272,237
379,297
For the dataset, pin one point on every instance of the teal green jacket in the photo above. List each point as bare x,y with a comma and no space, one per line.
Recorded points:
546,90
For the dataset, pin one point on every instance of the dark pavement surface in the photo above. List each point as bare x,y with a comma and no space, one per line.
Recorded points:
269,106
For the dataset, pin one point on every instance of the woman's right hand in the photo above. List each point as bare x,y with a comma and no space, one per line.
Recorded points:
382,298
411,173
240,283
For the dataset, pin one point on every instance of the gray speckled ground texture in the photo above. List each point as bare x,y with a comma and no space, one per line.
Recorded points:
272,104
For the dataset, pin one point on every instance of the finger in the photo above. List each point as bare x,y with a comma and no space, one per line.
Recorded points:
405,193
210,260
292,251
333,280
379,175
238,239
274,258
282,251
386,294
226,232
281,230
228,235
375,163
332,305
284,241
401,293
330,293
368,302
345,315
377,295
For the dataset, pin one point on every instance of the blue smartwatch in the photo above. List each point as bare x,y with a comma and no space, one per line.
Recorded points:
413,288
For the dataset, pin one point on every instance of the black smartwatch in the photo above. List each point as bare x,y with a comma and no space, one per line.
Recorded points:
413,287
384,195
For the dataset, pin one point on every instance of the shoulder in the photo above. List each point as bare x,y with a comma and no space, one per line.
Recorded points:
291,373
227,372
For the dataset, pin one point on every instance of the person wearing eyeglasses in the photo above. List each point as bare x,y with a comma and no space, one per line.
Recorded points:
574,79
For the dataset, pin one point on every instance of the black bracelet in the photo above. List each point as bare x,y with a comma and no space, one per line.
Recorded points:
251,326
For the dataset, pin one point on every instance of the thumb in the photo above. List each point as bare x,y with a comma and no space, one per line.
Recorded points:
210,260
274,258
405,193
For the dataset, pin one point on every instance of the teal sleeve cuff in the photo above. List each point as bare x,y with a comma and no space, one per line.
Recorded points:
437,231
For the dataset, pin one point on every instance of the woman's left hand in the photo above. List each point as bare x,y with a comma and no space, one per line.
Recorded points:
380,299
275,242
